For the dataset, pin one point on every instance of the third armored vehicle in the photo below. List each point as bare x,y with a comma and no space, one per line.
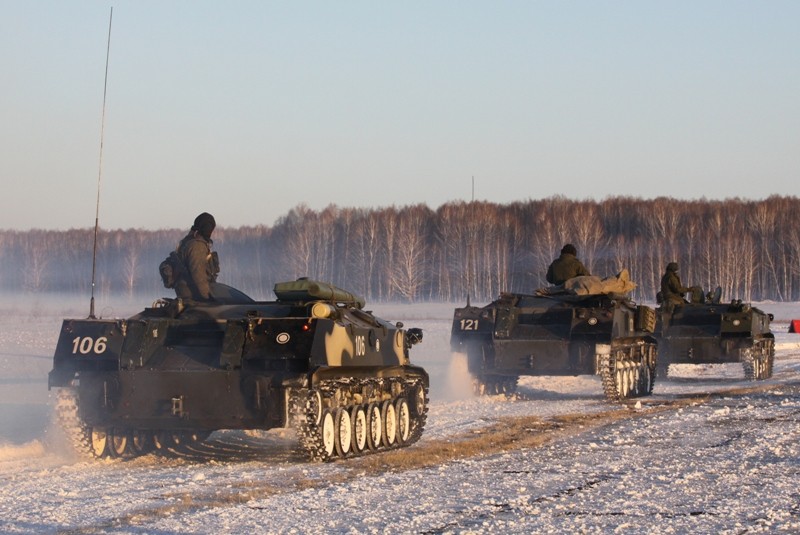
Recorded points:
314,360
706,331
519,334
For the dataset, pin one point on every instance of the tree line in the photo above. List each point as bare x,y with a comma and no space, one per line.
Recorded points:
414,253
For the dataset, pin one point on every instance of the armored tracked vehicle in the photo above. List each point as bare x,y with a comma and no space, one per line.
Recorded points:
313,360
518,334
706,331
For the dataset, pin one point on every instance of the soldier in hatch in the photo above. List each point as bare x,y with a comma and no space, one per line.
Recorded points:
566,266
200,265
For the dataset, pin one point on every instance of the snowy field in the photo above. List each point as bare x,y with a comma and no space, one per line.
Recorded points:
707,453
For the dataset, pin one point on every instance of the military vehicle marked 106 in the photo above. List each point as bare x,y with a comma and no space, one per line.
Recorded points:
313,360
519,334
706,331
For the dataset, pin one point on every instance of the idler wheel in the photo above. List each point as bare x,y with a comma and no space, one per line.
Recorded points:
314,407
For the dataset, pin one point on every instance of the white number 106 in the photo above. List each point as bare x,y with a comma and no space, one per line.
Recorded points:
87,344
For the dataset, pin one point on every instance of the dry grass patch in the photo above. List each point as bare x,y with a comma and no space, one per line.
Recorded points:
505,435
529,432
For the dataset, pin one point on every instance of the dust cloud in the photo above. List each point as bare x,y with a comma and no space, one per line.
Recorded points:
459,381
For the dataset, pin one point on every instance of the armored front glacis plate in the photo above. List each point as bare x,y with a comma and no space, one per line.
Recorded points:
313,360
520,334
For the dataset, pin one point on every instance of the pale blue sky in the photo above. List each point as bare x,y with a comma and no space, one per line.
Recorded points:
247,109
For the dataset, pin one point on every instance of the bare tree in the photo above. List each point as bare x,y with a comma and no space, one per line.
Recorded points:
36,258
588,232
409,270
762,222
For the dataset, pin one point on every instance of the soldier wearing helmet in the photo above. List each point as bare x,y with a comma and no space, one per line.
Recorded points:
566,266
672,290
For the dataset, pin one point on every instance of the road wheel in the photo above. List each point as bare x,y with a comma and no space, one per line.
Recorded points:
344,432
99,441
403,420
141,442
419,400
633,381
480,386
646,381
374,426
389,417
119,442
162,440
358,417
619,379
328,431
510,386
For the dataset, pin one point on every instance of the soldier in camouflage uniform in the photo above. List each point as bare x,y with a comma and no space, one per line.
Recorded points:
672,290
566,266
200,265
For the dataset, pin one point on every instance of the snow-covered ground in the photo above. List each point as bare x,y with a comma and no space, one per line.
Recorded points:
569,462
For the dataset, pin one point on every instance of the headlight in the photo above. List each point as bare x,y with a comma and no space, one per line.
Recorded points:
736,323
592,321
322,310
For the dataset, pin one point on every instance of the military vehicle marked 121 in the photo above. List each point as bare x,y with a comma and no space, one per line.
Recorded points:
313,360
706,331
519,334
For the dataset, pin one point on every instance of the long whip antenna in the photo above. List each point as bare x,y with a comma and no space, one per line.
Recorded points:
469,256
100,167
